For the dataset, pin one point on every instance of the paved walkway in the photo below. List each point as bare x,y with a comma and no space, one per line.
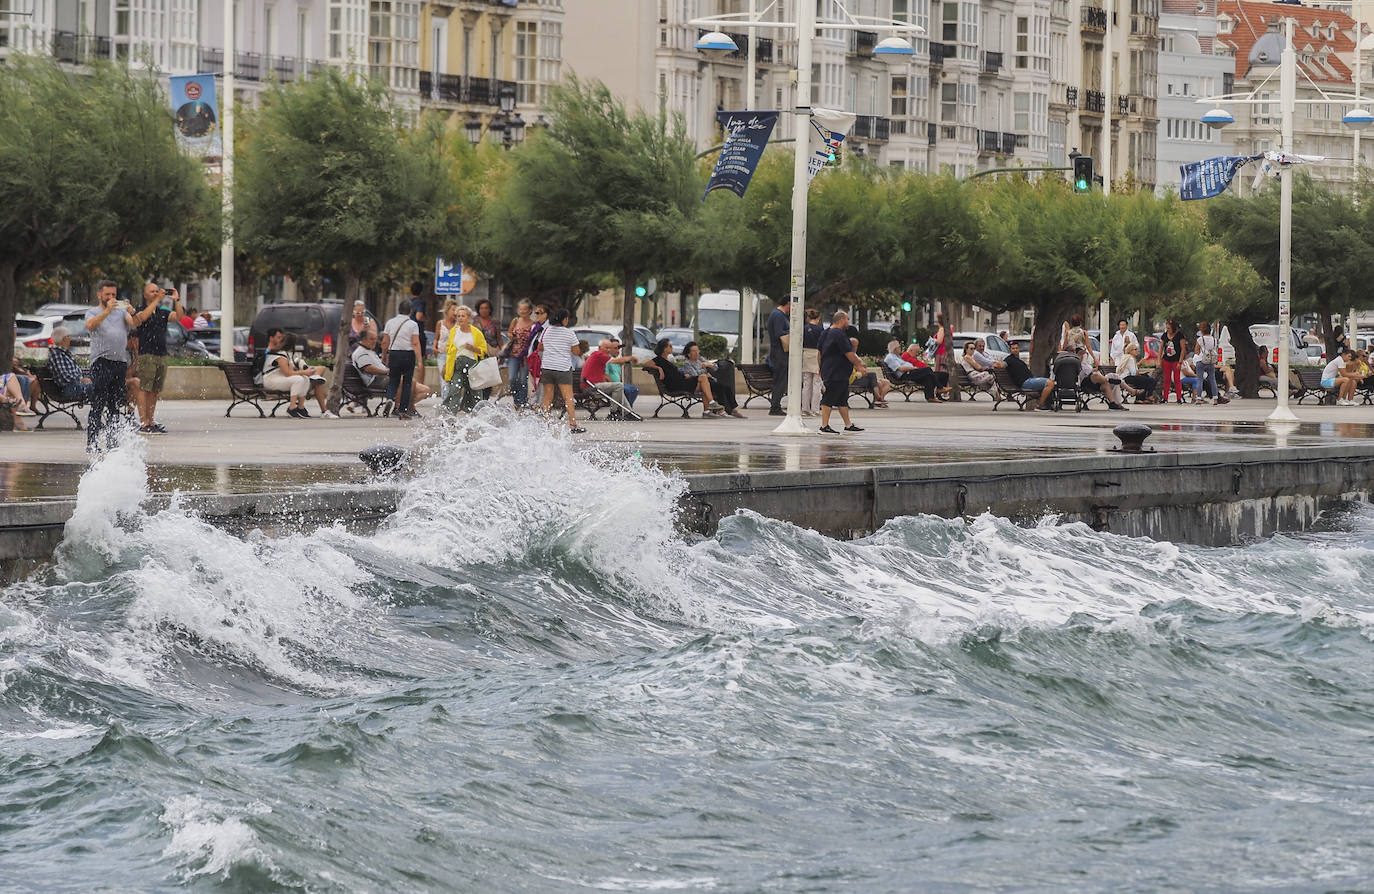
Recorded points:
243,452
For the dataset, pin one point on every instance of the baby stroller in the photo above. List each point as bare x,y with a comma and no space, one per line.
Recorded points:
1065,375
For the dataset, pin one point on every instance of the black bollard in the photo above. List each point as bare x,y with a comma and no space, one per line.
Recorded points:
1132,436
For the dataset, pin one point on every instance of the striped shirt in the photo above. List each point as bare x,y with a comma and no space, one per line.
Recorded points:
555,348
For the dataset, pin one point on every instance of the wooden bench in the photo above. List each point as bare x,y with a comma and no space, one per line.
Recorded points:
683,400
243,390
867,393
1022,397
1309,384
585,398
355,390
758,378
959,379
50,400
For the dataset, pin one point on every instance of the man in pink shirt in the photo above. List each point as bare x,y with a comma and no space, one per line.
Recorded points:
594,374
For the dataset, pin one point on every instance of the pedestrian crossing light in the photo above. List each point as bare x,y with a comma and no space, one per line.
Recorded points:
641,291
906,307
1082,173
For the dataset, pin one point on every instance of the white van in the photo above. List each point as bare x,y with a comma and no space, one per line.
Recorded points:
719,314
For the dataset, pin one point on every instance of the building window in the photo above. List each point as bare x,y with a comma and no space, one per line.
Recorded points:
1023,42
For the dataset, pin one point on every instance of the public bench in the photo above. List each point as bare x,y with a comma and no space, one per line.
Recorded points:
50,400
243,390
1309,384
683,400
355,390
1011,391
758,378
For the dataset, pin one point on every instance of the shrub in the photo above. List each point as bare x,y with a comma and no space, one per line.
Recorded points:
874,341
712,346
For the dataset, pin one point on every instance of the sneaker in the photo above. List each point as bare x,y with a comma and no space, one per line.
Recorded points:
352,409
157,429
828,430
852,428
329,414
713,405
302,413
1115,406
384,409
577,431
1223,400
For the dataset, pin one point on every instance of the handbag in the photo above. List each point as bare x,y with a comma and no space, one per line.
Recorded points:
485,374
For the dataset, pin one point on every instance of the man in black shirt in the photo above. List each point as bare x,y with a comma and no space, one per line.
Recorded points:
779,325
837,359
158,305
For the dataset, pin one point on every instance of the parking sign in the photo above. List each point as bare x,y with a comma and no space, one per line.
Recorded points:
448,278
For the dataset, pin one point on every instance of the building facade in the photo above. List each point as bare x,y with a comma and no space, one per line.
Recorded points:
1192,65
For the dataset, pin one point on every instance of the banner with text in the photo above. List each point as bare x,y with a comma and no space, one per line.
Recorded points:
746,134
197,118
828,130
1210,177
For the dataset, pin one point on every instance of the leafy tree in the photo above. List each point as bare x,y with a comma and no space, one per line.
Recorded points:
746,242
326,179
945,245
602,192
89,169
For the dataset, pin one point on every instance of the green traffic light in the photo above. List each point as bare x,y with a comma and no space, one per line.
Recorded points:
640,291
1081,186
906,307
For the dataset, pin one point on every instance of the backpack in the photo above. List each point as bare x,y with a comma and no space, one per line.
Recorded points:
255,368
1209,349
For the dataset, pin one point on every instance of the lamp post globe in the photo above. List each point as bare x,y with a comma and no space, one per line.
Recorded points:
716,44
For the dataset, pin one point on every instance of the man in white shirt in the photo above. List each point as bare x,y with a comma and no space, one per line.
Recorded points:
1120,339
401,349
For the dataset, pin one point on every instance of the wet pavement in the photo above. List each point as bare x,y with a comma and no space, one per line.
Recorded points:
208,453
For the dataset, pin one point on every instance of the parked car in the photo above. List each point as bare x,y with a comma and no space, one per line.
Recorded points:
315,325
997,349
678,336
210,338
643,348
62,310
33,336
182,342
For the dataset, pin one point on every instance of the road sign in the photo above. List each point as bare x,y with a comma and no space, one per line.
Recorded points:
448,278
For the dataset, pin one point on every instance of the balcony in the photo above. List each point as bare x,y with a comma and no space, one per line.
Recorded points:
931,129
1094,19
1123,107
989,142
1094,101
864,42
872,127
764,50
78,49
1071,97
992,62
939,52
1009,144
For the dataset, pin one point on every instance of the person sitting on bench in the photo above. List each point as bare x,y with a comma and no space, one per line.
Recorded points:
931,380
72,384
717,391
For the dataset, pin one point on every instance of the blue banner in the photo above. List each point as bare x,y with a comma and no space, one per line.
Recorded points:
197,115
1210,177
746,133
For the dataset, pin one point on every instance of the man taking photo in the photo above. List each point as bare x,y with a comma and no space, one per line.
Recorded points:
159,305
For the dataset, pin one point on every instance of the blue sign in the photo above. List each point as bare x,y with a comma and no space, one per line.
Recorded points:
196,115
448,278
746,133
1210,177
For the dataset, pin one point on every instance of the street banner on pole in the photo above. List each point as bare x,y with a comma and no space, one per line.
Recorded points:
197,121
1210,177
746,134
828,130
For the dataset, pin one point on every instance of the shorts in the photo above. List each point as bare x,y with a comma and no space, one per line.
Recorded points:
836,393
559,376
1328,383
1035,383
152,372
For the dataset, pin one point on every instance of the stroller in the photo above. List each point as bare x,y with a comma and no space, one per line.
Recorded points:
1065,375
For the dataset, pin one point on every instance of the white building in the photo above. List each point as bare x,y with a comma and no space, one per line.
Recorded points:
1190,68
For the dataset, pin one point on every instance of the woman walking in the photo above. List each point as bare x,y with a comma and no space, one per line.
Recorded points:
1206,365
514,353
447,320
940,357
490,326
811,363
466,345
1171,362
557,349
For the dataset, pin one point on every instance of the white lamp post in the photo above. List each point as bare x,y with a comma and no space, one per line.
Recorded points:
1218,117
894,48
226,249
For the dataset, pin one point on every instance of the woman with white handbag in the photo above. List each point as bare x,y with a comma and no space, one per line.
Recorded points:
467,351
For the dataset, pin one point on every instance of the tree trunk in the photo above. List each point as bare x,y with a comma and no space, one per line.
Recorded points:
9,303
1049,322
627,325
1244,355
1328,332
353,286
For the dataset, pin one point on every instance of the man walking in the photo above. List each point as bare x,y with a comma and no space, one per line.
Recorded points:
401,348
109,324
837,359
779,327
158,306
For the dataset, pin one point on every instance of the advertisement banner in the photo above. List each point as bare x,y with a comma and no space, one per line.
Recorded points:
746,135
196,115
1210,177
828,130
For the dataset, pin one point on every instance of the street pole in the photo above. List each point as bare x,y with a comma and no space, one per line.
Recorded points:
806,28
226,251
1288,86
1109,101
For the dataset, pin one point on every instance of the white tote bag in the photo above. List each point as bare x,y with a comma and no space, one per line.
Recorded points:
486,374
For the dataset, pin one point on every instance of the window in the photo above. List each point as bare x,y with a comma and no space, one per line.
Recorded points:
1022,42
949,31
1021,112
949,99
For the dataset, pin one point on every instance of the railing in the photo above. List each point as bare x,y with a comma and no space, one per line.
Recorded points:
1094,19
1123,105
764,50
78,49
989,141
1094,101
939,52
1071,97
1008,144
992,62
872,127
931,129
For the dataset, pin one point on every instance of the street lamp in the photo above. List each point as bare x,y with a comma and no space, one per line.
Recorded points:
895,48
506,128
1218,117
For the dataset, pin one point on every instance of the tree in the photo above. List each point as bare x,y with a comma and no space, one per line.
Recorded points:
89,168
326,179
1234,293
746,241
602,192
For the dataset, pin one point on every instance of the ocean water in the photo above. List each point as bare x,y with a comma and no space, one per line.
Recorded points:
529,681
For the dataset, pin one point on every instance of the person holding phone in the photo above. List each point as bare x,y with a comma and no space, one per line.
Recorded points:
109,324
159,306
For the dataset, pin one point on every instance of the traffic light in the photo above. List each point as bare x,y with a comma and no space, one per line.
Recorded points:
646,290
834,159
641,291
906,307
1083,173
